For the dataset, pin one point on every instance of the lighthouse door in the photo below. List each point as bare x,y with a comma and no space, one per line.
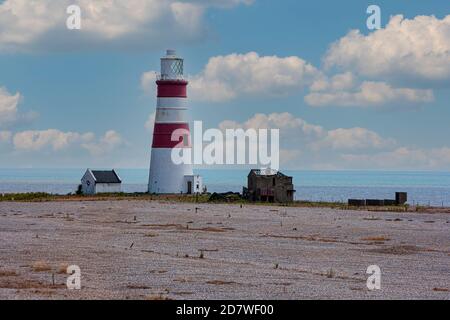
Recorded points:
189,187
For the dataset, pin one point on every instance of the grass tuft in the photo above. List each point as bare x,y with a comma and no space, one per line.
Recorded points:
379,238
40,266
62,268
330,273
8,273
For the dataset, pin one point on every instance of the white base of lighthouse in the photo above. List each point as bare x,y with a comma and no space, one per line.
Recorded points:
165,176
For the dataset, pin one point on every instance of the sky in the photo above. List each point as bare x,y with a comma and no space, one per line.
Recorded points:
343,96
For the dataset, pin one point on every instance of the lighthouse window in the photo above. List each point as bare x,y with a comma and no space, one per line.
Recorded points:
177,67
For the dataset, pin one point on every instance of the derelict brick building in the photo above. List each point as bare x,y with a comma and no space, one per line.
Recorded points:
269,186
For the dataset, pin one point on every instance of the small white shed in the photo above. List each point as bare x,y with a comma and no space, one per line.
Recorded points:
96,181
193,184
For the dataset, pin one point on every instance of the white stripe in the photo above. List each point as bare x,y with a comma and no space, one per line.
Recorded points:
172,102
164,115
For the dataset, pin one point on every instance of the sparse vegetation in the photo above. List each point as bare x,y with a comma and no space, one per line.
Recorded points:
226,197
40,266
398,250
330,273
441,289
205,198
8,273
158,271
40,196
377,239
138,287
150,235
62,268
220,282
159,297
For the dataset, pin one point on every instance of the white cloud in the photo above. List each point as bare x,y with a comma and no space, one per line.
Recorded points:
227,77
110,141
338,82
8,106
404,158
369,93
9,114
289,156
221,3
5,137
52,138
249,75
56,140
354,138
305,145
188,15
148,82
297,134
30,25
285,121
407,49
150,123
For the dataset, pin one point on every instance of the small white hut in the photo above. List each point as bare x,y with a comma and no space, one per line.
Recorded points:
96,181
193,184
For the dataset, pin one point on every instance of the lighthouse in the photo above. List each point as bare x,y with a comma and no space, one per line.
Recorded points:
167,177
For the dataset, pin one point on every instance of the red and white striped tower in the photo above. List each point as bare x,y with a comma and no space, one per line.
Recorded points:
166,176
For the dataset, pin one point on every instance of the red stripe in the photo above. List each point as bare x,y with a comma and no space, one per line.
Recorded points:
172,88
162,135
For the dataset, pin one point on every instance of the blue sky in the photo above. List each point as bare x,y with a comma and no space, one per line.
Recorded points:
87,87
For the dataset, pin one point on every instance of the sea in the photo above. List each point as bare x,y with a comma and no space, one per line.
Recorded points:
423,188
